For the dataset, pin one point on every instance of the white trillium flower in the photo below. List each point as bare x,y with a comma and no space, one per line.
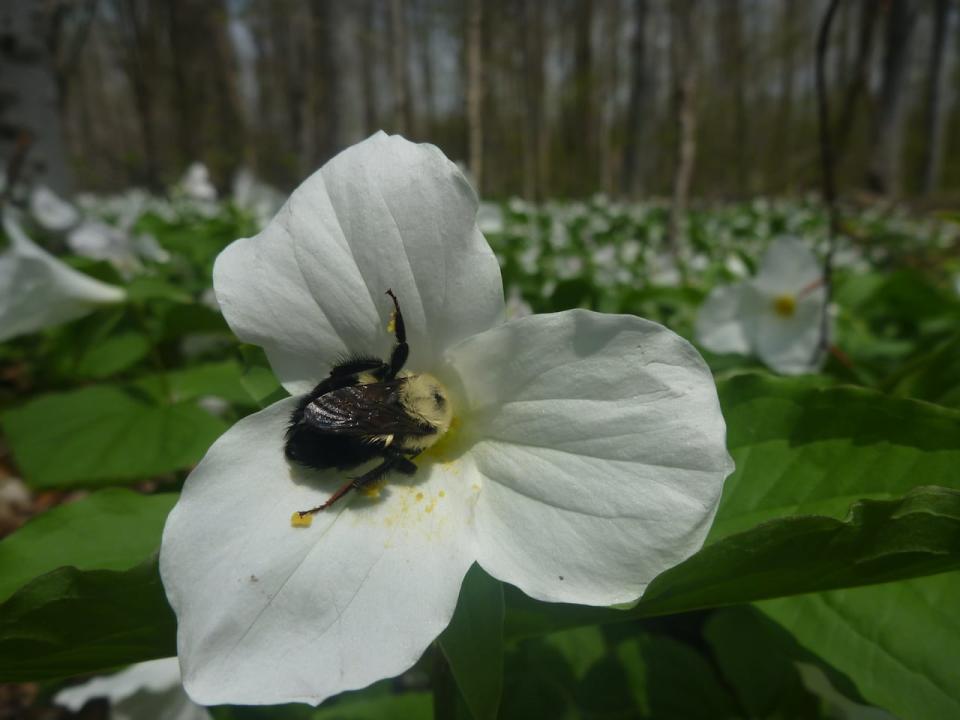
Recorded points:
146,690
51,211
196,183
775,315
38,291
586,454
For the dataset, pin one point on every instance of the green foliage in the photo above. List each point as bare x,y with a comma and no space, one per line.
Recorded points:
105,434
473,643
844,505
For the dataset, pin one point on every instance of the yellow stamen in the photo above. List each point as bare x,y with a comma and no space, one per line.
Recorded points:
785,305
298,520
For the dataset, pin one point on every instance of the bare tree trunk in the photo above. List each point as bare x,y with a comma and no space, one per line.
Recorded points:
684,60
783,157
428,113
475,89
607,100
732,20
401,74
31,133
325,81
934,116
585,128
632,178
884,175
369,54
869,12
532,29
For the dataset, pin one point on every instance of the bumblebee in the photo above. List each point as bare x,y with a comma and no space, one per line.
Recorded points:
368,408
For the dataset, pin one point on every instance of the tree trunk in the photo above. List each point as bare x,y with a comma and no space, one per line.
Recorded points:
31,133
403,122
632,178
732,22
869,12
325,81
782,158
934,117
584,130
684,60
428,113
369,43
532,30
475,90
607,100
884,175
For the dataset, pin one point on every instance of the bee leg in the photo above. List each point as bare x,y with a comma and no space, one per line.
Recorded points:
405,466
400,351
358,482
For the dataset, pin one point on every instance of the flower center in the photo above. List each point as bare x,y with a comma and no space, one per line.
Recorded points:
785,305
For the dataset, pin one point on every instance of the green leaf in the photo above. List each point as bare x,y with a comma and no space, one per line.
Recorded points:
71,621
113,529
151,288
113,354
104,434
473,643
758,660
881,540
935,376
258,379
897,642
220,379
800,449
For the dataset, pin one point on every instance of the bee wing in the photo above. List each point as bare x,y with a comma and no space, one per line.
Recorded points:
369,409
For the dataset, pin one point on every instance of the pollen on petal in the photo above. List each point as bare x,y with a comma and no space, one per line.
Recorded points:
392,323
298,520
785,305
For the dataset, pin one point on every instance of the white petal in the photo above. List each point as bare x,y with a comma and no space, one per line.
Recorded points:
269,613
789,344
721,325
788,266
602,450
385,213
51,211
38,291
149,689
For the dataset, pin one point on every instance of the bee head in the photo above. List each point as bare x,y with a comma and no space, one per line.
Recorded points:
425,396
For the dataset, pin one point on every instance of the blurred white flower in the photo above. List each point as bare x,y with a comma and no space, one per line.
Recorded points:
99,241
51,211
255,196
586,454
196,183
490,218
37,290
775,315
516,306
736,266
146,691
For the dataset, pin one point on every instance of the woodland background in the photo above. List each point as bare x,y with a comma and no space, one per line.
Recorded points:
539,99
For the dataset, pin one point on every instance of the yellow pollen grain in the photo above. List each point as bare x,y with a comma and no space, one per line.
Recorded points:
392,322
419,497
785,305
429,508
475,487
297,520
442,494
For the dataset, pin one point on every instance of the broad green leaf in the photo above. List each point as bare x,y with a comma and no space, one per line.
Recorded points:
220,379
803,449
897,642
104,434
71,621
261,384
880,541
112,529
759,664
113,354
152,288
473,643
935,376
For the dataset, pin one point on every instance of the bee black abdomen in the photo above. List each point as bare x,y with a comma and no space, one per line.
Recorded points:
311,449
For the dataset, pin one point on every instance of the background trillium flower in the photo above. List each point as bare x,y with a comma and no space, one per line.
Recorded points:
146,690
51,211
775,315
588,456
37,290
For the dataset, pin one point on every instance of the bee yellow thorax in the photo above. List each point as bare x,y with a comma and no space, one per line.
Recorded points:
785,305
